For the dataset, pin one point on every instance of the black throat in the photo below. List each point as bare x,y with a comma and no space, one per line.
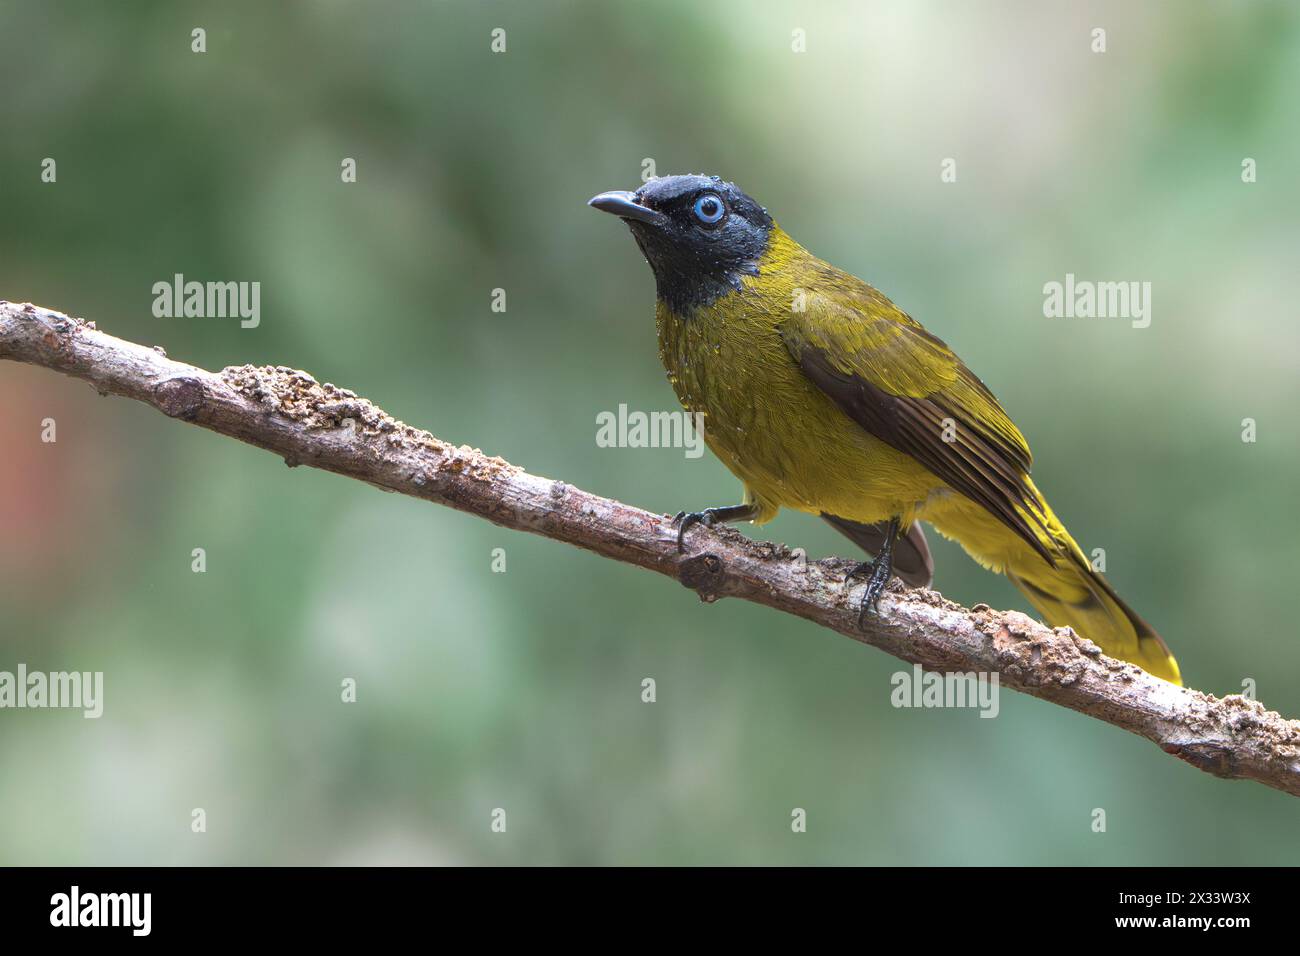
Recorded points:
692,275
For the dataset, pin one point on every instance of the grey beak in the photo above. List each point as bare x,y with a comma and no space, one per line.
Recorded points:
624,205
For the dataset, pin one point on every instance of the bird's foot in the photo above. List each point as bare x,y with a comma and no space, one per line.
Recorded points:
877,573
685,519
709,517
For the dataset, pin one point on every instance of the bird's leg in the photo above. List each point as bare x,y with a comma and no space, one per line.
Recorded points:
877,571
711,516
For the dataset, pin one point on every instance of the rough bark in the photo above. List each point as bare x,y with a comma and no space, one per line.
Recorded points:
289,413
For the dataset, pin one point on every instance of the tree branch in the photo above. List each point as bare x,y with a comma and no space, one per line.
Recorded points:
289,413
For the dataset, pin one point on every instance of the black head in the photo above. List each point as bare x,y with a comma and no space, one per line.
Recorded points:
699,234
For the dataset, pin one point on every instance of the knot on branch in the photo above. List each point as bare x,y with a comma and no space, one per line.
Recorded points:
703,575
180,397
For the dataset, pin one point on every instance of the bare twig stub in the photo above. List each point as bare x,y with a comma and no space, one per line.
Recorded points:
308,423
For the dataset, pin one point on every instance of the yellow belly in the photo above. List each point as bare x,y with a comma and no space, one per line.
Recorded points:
788,443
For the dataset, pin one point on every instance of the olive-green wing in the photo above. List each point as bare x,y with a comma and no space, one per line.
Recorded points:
907,388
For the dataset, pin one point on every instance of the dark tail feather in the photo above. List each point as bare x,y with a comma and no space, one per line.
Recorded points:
912,560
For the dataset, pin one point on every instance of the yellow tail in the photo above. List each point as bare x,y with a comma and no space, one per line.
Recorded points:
1074,595
1068,595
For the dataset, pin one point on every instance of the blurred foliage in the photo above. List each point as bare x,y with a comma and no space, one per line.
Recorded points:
522,690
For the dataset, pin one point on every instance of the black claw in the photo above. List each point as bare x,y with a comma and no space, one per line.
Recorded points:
876,583
689,518
878,574
711,516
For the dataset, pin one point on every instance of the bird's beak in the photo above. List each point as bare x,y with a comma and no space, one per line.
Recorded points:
624,205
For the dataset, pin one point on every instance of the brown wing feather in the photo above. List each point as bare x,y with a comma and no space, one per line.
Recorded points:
901,383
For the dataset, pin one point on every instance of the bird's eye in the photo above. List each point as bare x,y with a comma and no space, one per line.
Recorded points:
709,209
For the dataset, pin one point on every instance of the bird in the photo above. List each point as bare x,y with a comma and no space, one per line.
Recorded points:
823,396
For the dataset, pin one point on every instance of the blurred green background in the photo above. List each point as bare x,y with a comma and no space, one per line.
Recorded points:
521,690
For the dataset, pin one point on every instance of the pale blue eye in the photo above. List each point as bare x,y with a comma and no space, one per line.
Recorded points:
709,209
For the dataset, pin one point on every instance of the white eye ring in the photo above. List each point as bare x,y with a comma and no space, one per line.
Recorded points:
709,208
